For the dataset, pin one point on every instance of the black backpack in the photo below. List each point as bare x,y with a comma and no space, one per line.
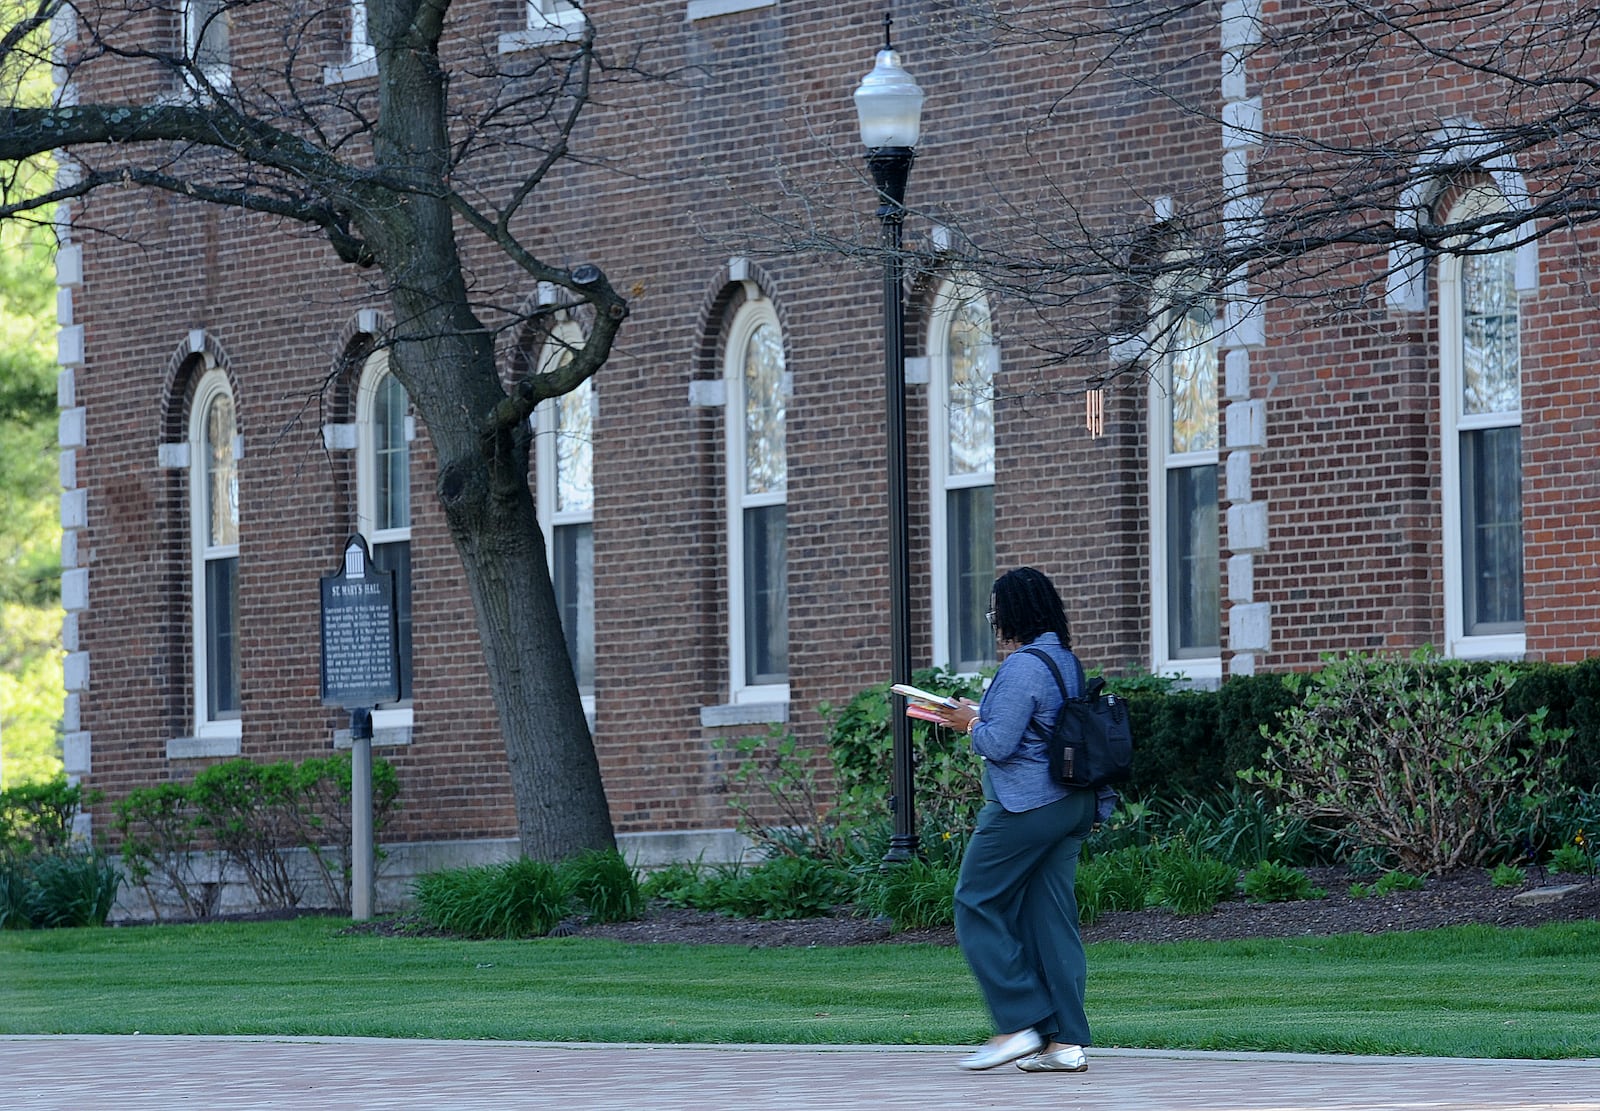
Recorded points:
1092,743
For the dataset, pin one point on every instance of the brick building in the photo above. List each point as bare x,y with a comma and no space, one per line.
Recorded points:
1280,476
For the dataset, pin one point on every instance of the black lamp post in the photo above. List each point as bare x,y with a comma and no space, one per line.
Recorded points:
889,104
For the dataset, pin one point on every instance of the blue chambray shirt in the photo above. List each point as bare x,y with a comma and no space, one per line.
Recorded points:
1016,715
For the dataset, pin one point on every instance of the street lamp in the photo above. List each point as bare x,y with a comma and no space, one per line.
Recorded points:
889,104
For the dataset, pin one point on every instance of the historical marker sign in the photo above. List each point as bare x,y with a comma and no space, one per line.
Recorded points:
359,637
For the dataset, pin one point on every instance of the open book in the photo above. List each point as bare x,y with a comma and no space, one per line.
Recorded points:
917,694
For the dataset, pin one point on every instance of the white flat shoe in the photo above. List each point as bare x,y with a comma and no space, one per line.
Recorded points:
1070,1059
1020,1044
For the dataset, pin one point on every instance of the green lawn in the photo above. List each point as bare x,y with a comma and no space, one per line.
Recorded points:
1470,991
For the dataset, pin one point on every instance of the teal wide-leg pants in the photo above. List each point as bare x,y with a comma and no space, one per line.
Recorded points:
1017,916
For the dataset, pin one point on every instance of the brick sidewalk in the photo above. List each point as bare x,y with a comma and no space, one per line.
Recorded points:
163,1073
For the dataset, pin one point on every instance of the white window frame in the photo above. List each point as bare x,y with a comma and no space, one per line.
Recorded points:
373,372
548,22
212,385
362,58
747,319
566,337
220,74
952,295
1452,423
1205,669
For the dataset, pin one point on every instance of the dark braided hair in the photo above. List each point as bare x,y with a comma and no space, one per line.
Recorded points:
1026,604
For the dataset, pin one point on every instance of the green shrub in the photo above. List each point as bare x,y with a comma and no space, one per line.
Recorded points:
1244,827
1507,875
14,913
254,813
157,828
1089,890
675,884
949,793
1576,857
38,817
788,887
912,895
1270,882
1391,881
1188,881
1120,879
71,889
1413,756
603,883
1249,709
57,888
519,898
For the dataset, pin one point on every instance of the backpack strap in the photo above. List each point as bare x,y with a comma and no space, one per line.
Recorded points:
1061,683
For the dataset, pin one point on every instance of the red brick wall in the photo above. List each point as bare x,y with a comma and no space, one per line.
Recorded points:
681,173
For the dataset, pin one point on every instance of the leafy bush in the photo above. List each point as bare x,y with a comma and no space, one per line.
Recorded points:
603,883
1506,875
1413,756
1388,882
1188,881
781,888
38,817
157,828
1270,882
57,888
911,895
519,898
1243,828
1576,858
949,793
1118,880
253,813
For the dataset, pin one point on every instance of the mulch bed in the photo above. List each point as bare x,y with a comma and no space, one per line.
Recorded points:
1456,899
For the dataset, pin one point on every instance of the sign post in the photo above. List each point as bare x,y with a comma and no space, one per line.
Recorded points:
360,669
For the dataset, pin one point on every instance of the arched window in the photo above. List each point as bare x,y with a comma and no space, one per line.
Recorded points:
384,430
1480,381
214,450
1185,568
963,362
207,35
758,565
564,477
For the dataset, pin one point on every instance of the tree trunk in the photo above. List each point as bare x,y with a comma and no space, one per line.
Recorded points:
483,486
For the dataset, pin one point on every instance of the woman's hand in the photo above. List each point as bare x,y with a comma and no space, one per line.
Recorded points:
960,718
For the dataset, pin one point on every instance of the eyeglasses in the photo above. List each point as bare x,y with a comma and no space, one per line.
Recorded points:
989,617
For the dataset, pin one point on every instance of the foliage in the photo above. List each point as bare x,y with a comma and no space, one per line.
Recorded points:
157,827
31,691
1270,882
519,898
1243,828
1121,879
1189,881
1507,875
38,817
1410,755
783,802
949,793
912,895
603,883
1387,883
774,774
254,813
783,887
1576,858
56,887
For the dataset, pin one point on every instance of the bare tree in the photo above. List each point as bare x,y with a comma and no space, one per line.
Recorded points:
1328,195
449,144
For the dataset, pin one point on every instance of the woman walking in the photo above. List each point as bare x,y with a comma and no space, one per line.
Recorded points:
1016,912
